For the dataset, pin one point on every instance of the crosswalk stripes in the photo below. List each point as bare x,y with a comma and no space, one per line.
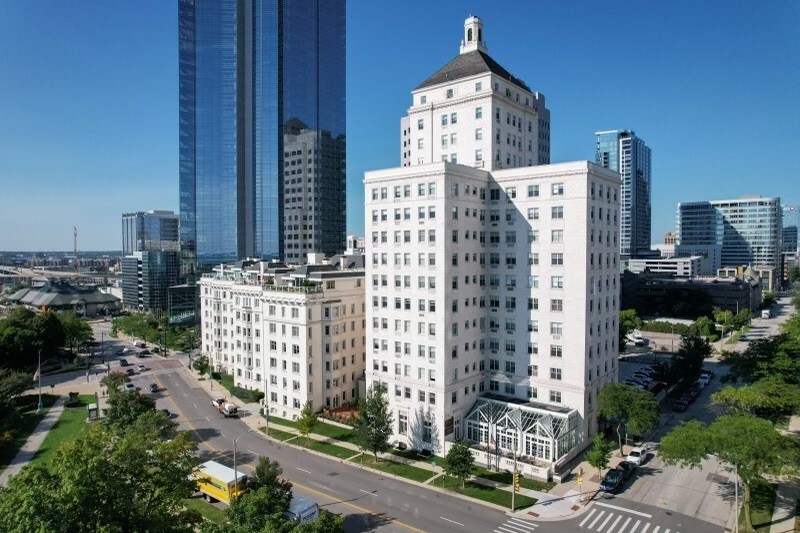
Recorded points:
598,519
516,525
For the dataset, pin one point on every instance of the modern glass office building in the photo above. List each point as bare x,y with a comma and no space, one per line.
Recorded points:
151,230
748,229
252,75
624,152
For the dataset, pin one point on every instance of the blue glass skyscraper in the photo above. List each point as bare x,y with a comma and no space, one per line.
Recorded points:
624,152
262,119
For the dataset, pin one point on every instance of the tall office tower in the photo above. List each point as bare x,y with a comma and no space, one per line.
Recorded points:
151,230
746,231
791,221
492,296
262,120
624,152
150,259
474,112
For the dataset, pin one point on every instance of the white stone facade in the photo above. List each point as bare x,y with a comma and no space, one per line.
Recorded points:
298,337
501,285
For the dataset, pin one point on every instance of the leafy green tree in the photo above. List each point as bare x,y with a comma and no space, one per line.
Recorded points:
114,382
50,332
459,462
725,318
750,445
307,420
126,406
267,474
703,327
76,330
156,423
201,364
374,424
770,398
18,339
628,321
627,407
777,356
12,385
794,274
104,480
742,318
688,360
599,454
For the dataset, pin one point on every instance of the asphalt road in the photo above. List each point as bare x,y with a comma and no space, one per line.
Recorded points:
371,502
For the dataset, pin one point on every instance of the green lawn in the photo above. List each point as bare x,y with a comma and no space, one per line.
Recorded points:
280,435
209,512
335,432
18,435
71,423
762,501
283,421
324,447
507,478
393,467
482,492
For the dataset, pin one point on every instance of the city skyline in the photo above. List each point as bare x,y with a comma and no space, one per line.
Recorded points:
108,114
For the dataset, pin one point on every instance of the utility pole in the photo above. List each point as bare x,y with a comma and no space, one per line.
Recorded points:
75,251
40,407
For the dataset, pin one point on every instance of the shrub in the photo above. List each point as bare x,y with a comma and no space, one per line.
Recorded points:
246,394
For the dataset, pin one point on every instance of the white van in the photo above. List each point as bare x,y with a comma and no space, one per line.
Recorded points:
302,510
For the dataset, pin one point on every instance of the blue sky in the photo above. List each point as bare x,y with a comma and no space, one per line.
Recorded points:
88,98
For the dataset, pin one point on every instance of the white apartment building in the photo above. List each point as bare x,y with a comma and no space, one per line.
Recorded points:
472,111
295,333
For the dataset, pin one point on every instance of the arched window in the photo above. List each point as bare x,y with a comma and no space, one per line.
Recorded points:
469,35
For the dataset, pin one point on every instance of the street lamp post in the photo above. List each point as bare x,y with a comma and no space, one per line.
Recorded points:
236,472
40,407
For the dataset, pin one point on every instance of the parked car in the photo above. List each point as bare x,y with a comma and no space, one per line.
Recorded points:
166,413
141,368
129,387
156,349
681,405
216,402
130,371
153,387
613,480
636,456
633,383
627,468
123,362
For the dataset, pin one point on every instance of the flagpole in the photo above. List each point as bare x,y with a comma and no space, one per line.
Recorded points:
40,407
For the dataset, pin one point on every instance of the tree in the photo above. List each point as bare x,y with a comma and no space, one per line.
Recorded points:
268,474
459,462
599,454
104,480
156,423
201,364
125,407
777,356
724,317
703,327
751,446
113,382
49,331
12,385
76,331
688,361
374,424
307,420
742,318
770,398
628,321
794,274
635,410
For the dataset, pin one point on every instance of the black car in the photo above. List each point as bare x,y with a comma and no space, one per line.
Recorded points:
153,387
680,406
123,362
612,481
166,413
130,371
627,469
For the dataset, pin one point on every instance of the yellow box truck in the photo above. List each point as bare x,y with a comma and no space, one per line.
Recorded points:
218,482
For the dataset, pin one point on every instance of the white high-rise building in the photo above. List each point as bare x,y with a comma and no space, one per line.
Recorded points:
295,333
472,111
492,295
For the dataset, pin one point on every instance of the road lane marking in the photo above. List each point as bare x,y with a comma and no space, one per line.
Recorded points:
598,517
223,435
303,470
633,529
368,492
251,451
587,518
207,419
656,529
601,526
453,521
327,495
614,524
513,528
646,527
195,405
628,521
618,508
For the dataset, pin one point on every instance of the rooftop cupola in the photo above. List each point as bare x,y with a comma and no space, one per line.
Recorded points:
473,35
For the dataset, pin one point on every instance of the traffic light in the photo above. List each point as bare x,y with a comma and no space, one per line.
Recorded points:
516,480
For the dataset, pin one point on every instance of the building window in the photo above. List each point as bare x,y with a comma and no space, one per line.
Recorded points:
556,282
420,144
533,191
557,189
453,118
420,124
555,396
557,212
557,259
478,134
556,350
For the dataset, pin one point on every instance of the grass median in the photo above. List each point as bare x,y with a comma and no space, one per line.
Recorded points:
324,447
70,424
482,492
506,478
336,432
279,434
393,467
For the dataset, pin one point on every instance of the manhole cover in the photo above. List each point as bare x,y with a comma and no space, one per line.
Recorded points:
333,474
714,478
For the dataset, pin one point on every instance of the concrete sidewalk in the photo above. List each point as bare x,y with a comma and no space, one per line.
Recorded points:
34,441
